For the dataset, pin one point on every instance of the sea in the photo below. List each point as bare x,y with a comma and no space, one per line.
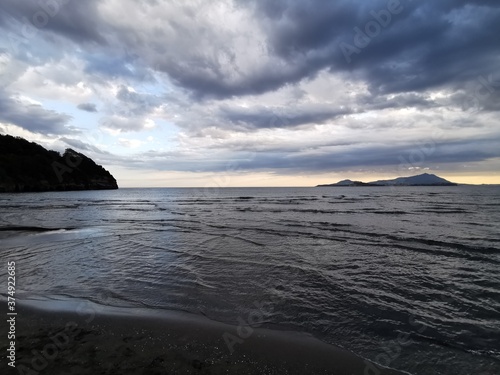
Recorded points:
408,277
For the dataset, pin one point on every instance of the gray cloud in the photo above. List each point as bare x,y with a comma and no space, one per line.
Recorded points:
401,157
33,117
404,100
82,146
130,113
428,44
224,79
120,65
77,20
259,117
124,124
87,107
134,103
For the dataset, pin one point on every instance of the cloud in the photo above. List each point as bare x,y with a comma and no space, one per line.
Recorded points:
271,79
132,111
130,143
87,107
120,65
134,103
427,44
120,124
262,46
32,116
82,146
402,158
77,20
280,117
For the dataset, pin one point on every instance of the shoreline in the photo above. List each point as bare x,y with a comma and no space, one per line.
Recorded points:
80,337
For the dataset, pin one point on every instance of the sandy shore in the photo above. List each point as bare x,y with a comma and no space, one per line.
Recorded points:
83,338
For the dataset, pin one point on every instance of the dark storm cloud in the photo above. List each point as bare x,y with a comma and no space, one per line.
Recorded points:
424,44
87,107
33,117
76,20
294,46
298,27
265,117
439,47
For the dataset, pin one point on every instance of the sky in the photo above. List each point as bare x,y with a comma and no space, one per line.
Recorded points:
227,93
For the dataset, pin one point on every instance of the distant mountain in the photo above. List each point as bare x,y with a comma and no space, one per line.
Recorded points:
348,183
27,166
424,179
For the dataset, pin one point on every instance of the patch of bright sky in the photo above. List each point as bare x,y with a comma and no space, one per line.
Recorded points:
161,138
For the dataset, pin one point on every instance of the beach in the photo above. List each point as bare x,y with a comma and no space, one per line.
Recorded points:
81,340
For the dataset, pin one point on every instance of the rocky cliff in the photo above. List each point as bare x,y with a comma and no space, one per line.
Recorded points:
27,167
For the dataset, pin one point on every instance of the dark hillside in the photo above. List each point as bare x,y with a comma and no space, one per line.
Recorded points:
27,166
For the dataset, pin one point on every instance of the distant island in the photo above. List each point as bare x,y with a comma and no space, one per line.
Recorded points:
424,179
28,167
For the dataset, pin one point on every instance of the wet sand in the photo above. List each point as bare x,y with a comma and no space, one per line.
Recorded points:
83,338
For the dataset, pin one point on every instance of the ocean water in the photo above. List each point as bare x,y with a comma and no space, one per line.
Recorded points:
407,277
